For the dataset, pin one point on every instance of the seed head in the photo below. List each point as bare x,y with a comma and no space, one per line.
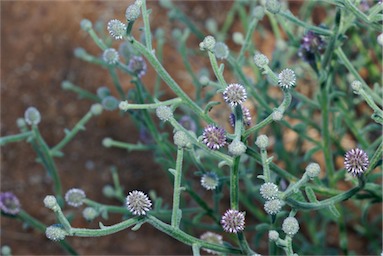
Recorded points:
213,238
75,197
9,203
56,232
110,56
209,181
269,191
233,221
356,161
138,203
246,117
237,148
234,94
274,206
286,79
32,116
137,66
164,113
214,137
132,12
290,226
221,51
116,29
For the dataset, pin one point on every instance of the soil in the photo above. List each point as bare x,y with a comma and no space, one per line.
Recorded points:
37,43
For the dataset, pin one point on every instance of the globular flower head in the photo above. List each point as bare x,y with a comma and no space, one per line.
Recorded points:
214,137
234,94
313,170
246,117
137,66
89,213
132,12
164,113
75,197
269,191
286,78
181,139
110,56
209,181
56,232
221,51
32,116
212,238
233,221
138,203
208,43
109,103
262,141
274,206
273,6
9,203
188,123
86,25
260,60
356,161
273,235
290,226
116,29
312,44
237,148
50,202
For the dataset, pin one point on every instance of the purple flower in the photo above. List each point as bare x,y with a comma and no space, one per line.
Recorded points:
214,137
245,116
9,203
137,65
234,94
233,221
138,203
311,44
356,161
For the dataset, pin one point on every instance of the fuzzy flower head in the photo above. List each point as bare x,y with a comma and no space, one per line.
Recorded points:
233,221
137,65
212,238
290,226
110,56
75,197
138,203
274,206
234,94
209,181
56,232
221,51
269,191
356,161
214,137
9,203
116,29
164,113
237,148
286,79
246,117
132,12
32,116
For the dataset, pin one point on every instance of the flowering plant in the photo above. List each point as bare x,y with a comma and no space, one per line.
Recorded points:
266,168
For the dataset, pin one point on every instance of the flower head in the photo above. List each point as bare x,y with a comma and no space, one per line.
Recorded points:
164,113
234,94
260,60
89,213
214,137
246,117
286,79
290,226
269,191
272,207
311,44
233,221
110,103
138,203
137,65
209,180
9,203
221,51
110,56
132,12
56,232
188,123
75,197
356,161
237,148
208,43
116,29
213,238
32,116
313,170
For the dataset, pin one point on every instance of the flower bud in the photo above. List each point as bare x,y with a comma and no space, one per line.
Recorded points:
110,56
32,116
86,25
356,86
164,113
260,60
273,235
96,109
51,203
132,12
237,148
123,105
313,170
109,103
208,43
181,139
221,51
258,12
262,141
89,213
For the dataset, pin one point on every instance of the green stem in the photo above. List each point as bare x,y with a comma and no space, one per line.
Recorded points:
234,184
145,17
116,82
175,101
293,188
216,70
377,111
289,245
67,85
265,165
375,159
176,212
14,138
128,146
247,43
244,245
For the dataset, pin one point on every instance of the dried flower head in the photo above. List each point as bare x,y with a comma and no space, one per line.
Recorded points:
269,191
137,66
246,117
290,226
234,94
32,116
138,203
9,203
274,206
116,29
356,161
214,137
110,56
233,221
212,238
209,181
56,232
286,79
75,197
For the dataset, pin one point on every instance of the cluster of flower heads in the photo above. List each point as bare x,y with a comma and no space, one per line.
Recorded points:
9,203
356,161
138,203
